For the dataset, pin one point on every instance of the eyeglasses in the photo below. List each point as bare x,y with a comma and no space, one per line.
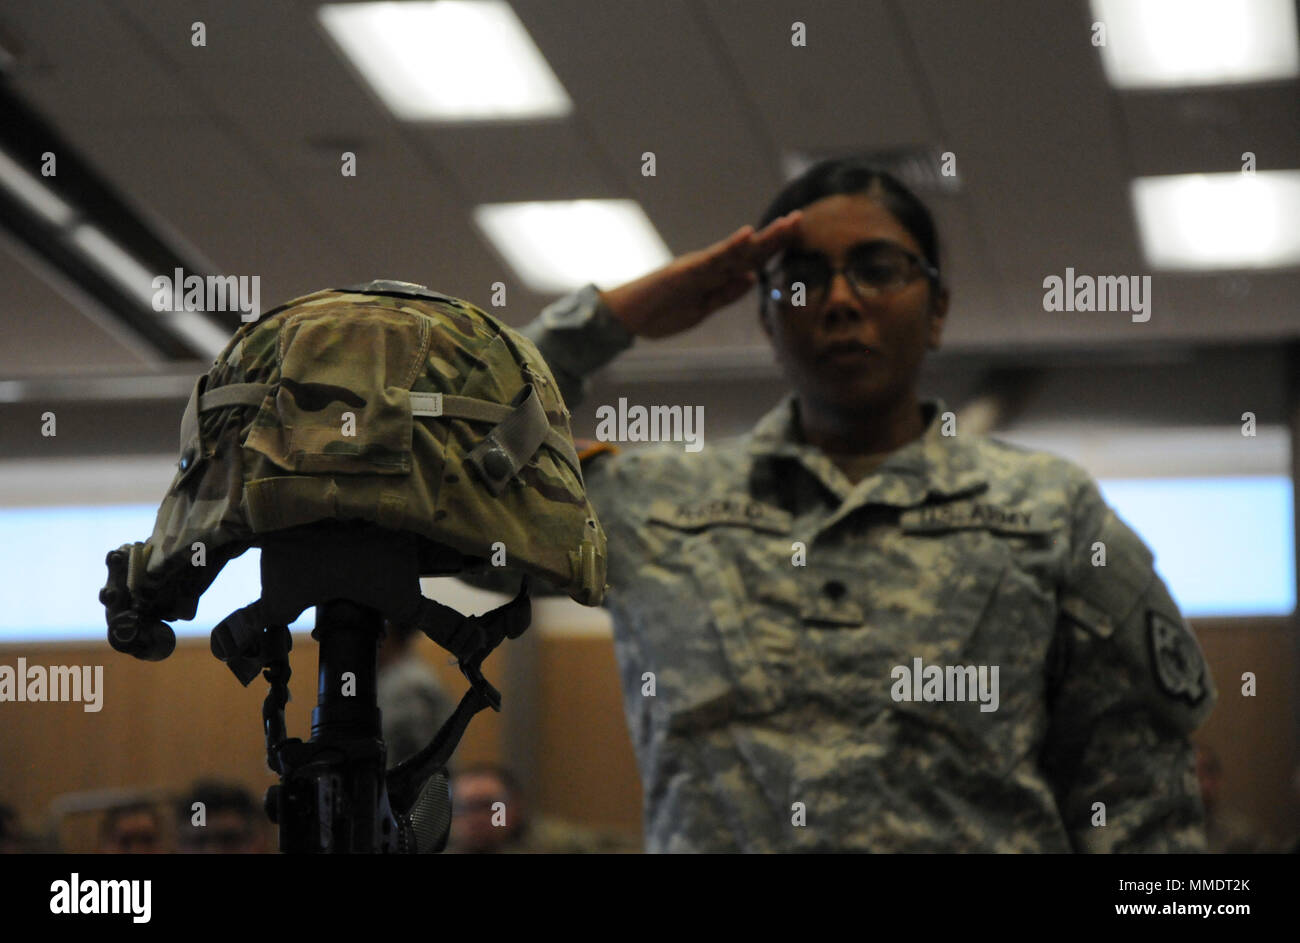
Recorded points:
872,268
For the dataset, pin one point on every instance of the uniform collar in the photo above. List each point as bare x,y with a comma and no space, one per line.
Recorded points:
933,464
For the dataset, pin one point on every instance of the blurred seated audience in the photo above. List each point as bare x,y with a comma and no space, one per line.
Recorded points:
221,818
491,815
13,840
1226,830
133,828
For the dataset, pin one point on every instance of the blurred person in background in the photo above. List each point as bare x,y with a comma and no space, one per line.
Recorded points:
412,701
220,818
491,815
1227,831
1292,844
13,840
135,828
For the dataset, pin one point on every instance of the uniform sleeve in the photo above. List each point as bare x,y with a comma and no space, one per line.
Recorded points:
1128,686
577,335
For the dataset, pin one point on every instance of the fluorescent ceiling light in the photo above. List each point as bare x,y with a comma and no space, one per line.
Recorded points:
115,262
1219,221
203,334
449,60
1167,43
558,246
38,197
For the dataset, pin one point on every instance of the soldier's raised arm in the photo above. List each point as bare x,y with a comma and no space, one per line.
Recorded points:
585,330
1128,688
577,335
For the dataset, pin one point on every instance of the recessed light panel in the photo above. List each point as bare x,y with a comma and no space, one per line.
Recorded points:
449,60
1170,43
557,246
1219,221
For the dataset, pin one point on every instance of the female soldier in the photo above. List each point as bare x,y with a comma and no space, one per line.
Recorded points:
856,627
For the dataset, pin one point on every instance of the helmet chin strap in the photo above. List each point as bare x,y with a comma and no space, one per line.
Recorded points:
359,574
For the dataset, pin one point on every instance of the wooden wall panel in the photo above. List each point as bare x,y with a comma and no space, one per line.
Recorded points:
1256,738
586,766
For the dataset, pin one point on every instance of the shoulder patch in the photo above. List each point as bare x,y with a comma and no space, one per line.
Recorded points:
1176,659
587,449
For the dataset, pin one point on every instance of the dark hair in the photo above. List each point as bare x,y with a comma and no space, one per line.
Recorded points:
495,770
115,814
9,830
401,633
853,175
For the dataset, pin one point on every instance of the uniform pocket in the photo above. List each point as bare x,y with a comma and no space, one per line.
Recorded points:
342,404
972,671
719,653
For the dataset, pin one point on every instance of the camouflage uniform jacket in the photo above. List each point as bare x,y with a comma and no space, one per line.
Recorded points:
769,605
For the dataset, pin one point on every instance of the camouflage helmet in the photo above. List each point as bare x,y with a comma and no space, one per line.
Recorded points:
387,403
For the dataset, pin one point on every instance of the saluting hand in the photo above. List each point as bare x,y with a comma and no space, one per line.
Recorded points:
688,289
